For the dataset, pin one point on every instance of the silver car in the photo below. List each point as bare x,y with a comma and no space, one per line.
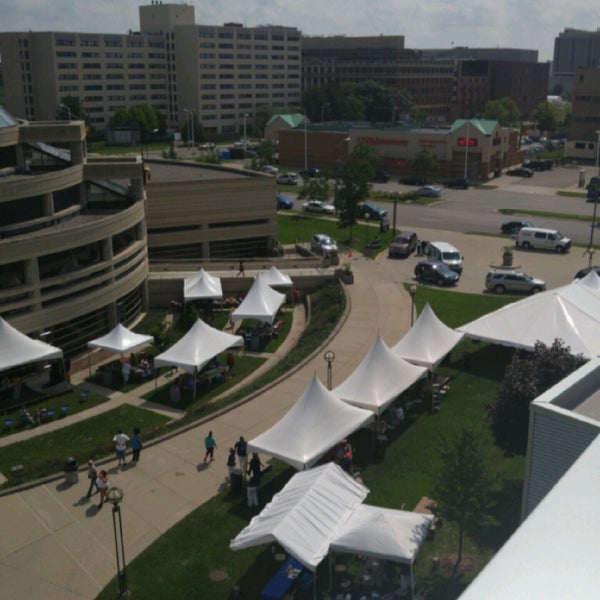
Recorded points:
323,244
318,206
513,281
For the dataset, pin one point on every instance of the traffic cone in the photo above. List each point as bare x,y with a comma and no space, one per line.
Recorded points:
350,253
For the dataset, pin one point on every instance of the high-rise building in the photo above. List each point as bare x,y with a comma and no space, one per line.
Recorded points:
219,74
573,49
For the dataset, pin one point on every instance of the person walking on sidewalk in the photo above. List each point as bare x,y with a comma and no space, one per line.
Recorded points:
230,463
210,444
92,476
241,270
136,445
120,440
102,485
241,449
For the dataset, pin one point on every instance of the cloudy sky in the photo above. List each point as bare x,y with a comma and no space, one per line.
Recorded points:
531,24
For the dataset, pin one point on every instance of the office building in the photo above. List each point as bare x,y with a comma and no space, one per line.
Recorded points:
573,49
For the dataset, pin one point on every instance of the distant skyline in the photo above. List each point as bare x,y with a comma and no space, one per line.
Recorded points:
531,25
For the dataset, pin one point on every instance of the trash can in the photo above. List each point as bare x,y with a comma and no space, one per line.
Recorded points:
71,471
236,481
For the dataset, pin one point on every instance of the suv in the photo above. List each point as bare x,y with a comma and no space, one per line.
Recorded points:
437,272
513,281
403,244
458,183
370,210
381,176
323,244
287,179
412,180
542,239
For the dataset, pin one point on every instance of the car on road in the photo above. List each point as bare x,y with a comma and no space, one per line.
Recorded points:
501,281
403,245
270,169
370,210
583,272
538,165
540,238
283,202
430,191
323,244
520,172
380,176
436,272
461,183
318,206
287,178
312,172
412,180
514,226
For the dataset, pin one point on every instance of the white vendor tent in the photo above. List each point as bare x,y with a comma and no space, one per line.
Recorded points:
16,348
428,341
316,422
305,514
261,302
380,378
570,313
202,286
121,340
275,278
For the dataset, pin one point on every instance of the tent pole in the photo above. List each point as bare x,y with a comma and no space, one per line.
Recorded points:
90,363
412,581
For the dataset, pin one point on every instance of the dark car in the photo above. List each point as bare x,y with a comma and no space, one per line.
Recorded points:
412,180
370,210
283,202
514,226
520,172
460,183
312,172
436,272
537,165
403,245
381,176
581,274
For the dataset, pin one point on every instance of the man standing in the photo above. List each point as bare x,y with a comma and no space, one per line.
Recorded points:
241,449
210,444
92,476
120,440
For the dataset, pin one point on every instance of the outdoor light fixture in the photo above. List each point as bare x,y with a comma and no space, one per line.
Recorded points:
413,291
329,357
115,497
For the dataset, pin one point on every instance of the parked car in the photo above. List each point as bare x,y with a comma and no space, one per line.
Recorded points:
412,180
313,172
381,176
370,210
430,191
436,272
458,183
271,170
403,245
318,206
283,202
583,272
537,165
287,178
513,281
323,244
514,226
520,172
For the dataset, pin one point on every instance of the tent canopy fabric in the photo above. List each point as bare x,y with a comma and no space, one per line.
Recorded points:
316,422
305,514
202,286
121,339
16,348
201,343
275,278
383,533
378,379
428,341
261,303
570,313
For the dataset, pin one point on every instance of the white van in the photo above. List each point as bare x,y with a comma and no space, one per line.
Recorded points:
542,239
447,254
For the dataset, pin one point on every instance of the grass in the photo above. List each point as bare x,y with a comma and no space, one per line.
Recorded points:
571,194
181,560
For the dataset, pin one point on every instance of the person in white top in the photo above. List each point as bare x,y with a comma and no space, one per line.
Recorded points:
120,440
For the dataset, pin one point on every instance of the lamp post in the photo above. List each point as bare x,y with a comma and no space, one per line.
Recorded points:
598,153
246,115
305,138
467,150
115,496
329,357
337,168
190,125
413,291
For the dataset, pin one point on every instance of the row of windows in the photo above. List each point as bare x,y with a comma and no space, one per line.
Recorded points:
108,43
228,35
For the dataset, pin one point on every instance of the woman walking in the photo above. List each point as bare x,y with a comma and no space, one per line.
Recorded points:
102,485
136,445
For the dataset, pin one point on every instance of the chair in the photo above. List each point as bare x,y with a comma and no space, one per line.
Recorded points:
8,423
64,409
50,413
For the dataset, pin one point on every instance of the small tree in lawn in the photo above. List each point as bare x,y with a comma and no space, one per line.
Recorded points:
315,189
464,484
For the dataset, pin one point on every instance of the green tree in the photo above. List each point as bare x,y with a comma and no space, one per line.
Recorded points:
263,115
463,486
547,116
526,377
141,116
504,110
379,101
315,189
423,163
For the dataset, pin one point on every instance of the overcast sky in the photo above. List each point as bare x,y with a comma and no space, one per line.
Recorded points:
531,24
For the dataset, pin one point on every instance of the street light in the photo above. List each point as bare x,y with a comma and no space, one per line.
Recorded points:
305,138
329,357
337,168
246,115
467,150
413,291
190,125
590,251
115,496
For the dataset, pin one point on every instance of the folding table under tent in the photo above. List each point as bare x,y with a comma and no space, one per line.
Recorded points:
428,341
261,302
275,278
193,351
314,424
380,378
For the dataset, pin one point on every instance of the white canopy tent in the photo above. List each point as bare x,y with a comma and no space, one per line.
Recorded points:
261,303
305,514
121,340
570,313
275,278
378,379
17,349
428,341
316,422
201,343
202,286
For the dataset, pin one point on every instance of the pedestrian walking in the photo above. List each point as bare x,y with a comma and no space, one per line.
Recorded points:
120,440
241,269
210,444
252,491
241,449
136,445
419,248
296,295
255,466
102,484
230,463
230,359
126,371
92,476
